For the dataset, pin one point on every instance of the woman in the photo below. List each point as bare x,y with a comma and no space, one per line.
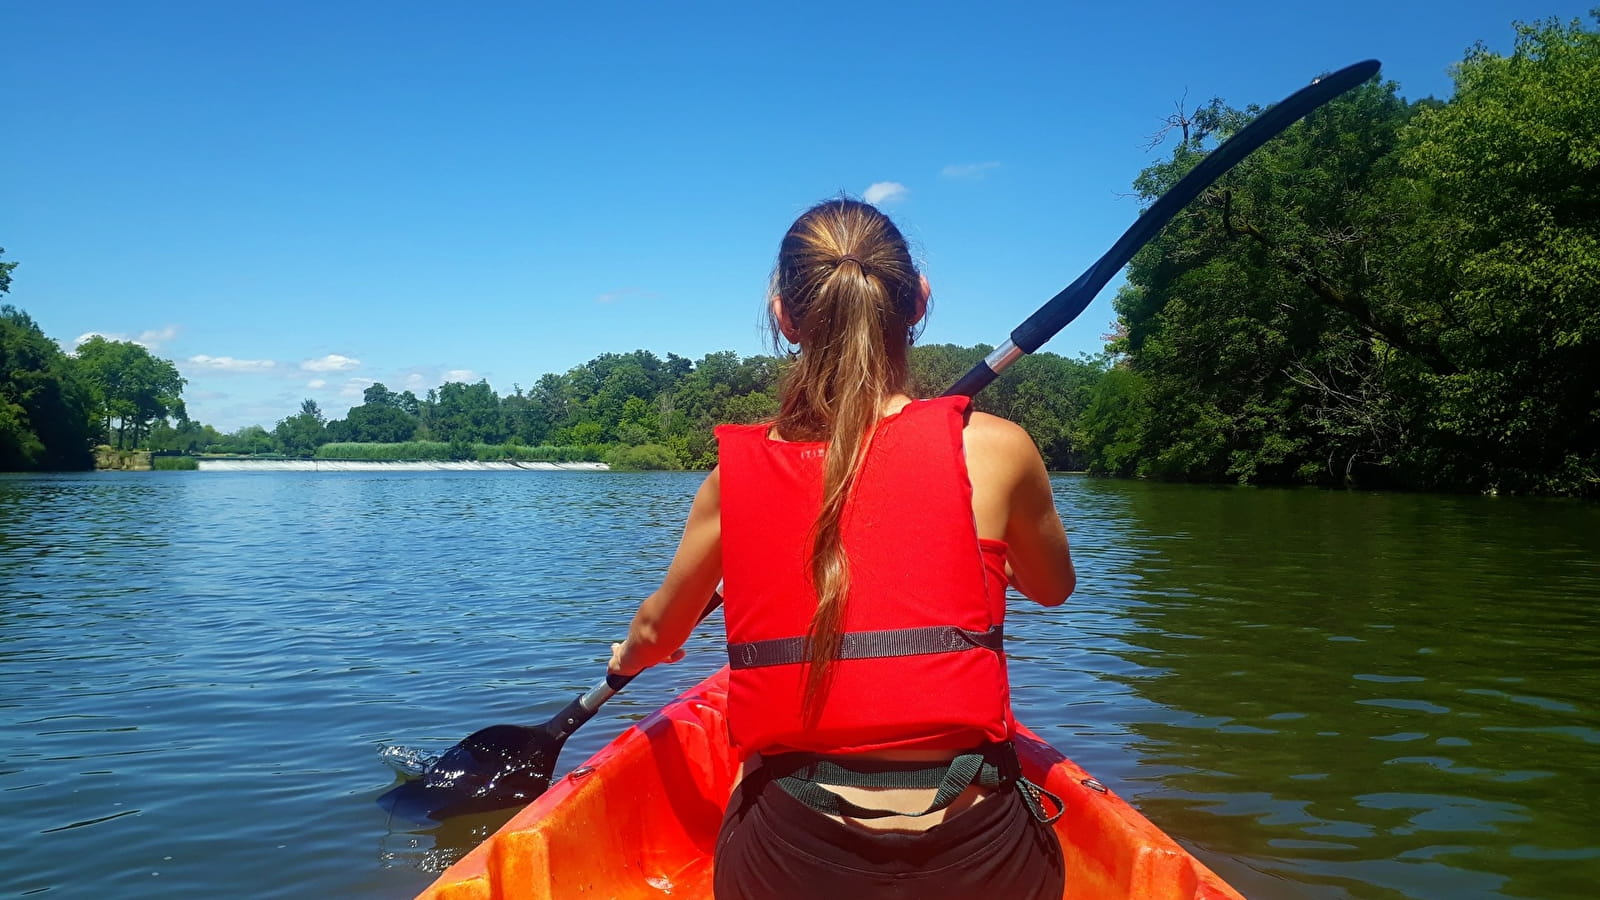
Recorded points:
864,541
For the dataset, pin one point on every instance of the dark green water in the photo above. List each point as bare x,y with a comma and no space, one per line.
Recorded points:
1321,694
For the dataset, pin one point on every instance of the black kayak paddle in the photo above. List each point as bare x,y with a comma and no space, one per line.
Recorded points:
503,765
510,765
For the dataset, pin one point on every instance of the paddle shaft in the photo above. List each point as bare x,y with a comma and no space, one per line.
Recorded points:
1060,310
1075,297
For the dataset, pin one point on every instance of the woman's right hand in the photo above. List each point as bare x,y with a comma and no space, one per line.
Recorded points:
621,664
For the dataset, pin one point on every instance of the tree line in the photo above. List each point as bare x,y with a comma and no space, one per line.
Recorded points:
1394,293
633,409
55,407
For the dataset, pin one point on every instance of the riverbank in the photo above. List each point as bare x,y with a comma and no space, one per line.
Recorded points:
112,459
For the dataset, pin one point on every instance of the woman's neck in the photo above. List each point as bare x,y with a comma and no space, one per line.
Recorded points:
891,404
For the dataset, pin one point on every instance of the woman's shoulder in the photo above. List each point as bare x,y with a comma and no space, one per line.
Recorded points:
997,434
998,450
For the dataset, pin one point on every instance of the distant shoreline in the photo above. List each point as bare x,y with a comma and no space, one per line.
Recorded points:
365,465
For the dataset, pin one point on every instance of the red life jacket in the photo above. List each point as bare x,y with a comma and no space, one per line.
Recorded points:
918,573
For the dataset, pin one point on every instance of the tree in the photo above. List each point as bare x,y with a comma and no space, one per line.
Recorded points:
1391,291
1046,394
1114,421
301,434
1508,269
134,389
381,418
188,436
45,406
378,395
249,440
1251,283
934,367
45,416
469,413
374,423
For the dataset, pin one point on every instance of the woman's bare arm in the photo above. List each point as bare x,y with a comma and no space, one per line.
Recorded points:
1012,501
666,617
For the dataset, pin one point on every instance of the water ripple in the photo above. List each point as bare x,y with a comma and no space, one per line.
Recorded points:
1324,695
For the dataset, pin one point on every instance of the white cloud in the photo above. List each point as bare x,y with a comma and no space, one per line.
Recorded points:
420,379
333,362
150,339
355,387
154,339
969,170
880,192
316,384
229,364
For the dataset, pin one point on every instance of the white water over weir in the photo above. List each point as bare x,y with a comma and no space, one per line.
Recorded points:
362,465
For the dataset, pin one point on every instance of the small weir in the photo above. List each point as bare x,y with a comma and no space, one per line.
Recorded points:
361,465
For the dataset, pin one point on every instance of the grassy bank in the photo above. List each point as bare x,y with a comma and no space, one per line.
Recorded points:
174,464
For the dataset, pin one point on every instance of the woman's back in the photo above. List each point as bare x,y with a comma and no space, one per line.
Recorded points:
921,667
867,662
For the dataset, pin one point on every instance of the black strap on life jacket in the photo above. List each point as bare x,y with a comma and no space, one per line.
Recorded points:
868,645
805,777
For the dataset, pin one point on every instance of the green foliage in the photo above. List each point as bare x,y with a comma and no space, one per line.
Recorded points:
1401,293
1113,424
251,440
174,463
468,412
934,367
1513,169
301,434
643,457
1044,393
133,388
382,418
1047,394
46,418
189,436
640,412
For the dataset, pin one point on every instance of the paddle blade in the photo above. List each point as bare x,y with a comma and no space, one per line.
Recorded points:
498,767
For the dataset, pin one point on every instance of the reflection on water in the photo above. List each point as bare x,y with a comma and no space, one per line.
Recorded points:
1322,694
430,849
1368,695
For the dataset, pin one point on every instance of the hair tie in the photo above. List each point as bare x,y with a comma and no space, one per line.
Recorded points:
850,257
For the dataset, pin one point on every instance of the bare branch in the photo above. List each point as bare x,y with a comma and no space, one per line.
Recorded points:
1181,118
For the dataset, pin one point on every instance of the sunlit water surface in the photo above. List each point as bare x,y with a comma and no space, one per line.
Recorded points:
1322,695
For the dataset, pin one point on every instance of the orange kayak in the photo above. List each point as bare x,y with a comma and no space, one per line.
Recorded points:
640,818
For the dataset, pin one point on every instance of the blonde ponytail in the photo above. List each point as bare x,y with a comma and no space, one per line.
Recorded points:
846,283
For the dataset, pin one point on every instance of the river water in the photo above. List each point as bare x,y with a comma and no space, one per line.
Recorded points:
1323,695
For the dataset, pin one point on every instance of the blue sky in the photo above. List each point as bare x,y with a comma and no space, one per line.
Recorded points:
296,199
